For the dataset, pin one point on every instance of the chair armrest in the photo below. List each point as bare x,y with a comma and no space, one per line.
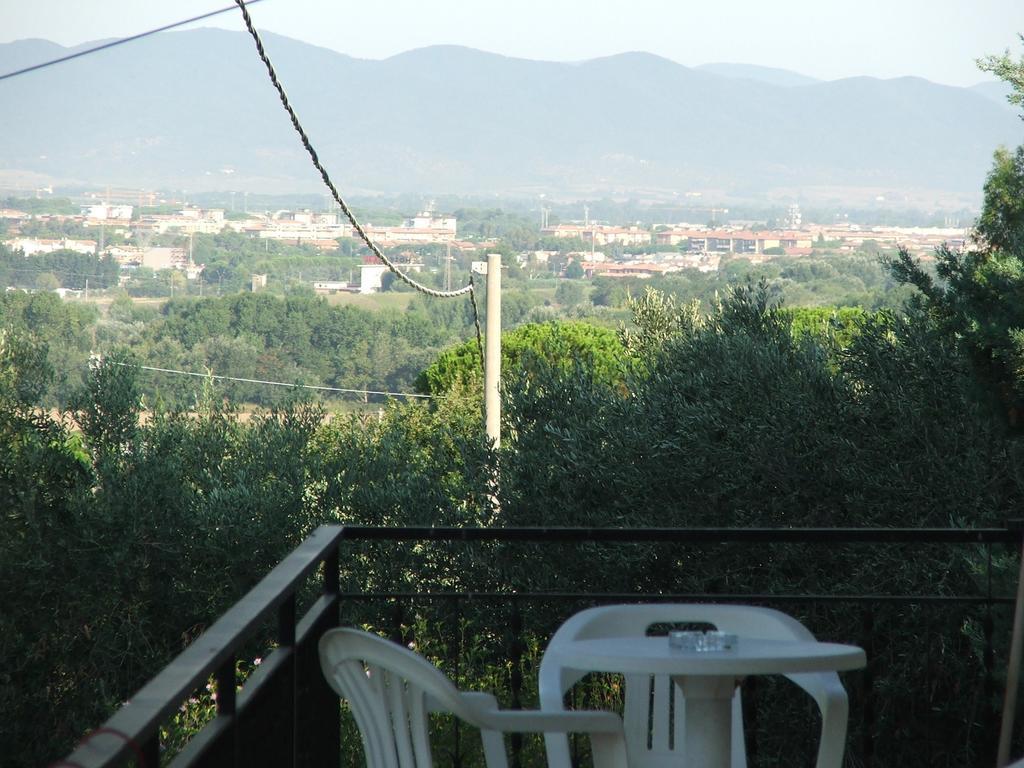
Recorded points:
535,721
479,699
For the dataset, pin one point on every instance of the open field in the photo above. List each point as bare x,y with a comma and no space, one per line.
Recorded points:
372,301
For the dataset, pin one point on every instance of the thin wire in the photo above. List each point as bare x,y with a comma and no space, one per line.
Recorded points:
327,179
119,41
476,322
276,383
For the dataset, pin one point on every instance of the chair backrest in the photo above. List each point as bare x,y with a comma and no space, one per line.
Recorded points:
388,687
654,708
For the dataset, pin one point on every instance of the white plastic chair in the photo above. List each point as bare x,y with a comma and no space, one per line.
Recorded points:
647,713
392,690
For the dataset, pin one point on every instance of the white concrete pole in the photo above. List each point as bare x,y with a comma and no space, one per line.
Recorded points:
492,354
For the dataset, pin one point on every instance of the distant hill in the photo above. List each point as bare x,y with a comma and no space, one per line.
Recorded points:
770,75
997,91
195,110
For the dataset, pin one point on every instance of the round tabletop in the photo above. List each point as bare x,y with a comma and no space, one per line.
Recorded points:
751,656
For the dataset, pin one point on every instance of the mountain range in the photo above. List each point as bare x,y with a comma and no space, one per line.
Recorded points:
195,110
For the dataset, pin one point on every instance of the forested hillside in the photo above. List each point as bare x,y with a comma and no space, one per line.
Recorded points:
671,129
292,336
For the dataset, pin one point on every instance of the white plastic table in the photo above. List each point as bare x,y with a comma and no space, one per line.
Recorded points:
708,679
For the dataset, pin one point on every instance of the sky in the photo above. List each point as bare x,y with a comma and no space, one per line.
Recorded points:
827,39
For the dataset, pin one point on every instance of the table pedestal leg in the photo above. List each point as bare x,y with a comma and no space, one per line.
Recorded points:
708,720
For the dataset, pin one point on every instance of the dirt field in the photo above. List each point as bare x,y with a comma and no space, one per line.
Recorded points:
372,301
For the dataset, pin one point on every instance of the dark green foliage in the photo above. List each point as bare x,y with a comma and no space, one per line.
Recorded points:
739,421
115,555
727,418
732,419
414,465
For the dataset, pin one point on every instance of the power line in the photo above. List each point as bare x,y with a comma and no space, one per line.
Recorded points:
467,289
119,41
277,383
327,179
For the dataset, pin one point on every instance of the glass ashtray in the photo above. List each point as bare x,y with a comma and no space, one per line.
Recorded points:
701,642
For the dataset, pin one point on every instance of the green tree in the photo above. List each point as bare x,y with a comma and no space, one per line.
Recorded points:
569,293
979,303
47,281
1001,224
1009,71
529,348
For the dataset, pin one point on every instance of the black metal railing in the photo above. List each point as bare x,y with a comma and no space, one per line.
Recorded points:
285,715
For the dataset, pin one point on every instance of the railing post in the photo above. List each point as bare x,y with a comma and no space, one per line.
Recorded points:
286,639
286,622
992,716
318,715
516,653
151,751
397,617
227,699
331,573
867,686
456,723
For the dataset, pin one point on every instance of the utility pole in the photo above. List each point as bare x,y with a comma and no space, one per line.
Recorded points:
448,268
492,346
492,367
87,289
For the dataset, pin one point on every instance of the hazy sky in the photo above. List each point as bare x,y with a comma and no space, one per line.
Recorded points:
828,39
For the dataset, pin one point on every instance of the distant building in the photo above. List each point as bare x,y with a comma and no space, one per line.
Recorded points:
321,230
155,258
370,277
106,211
734,241
331,286
600,234
308,218
259,282
424,227
627,269
32,246
206,221
371,273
